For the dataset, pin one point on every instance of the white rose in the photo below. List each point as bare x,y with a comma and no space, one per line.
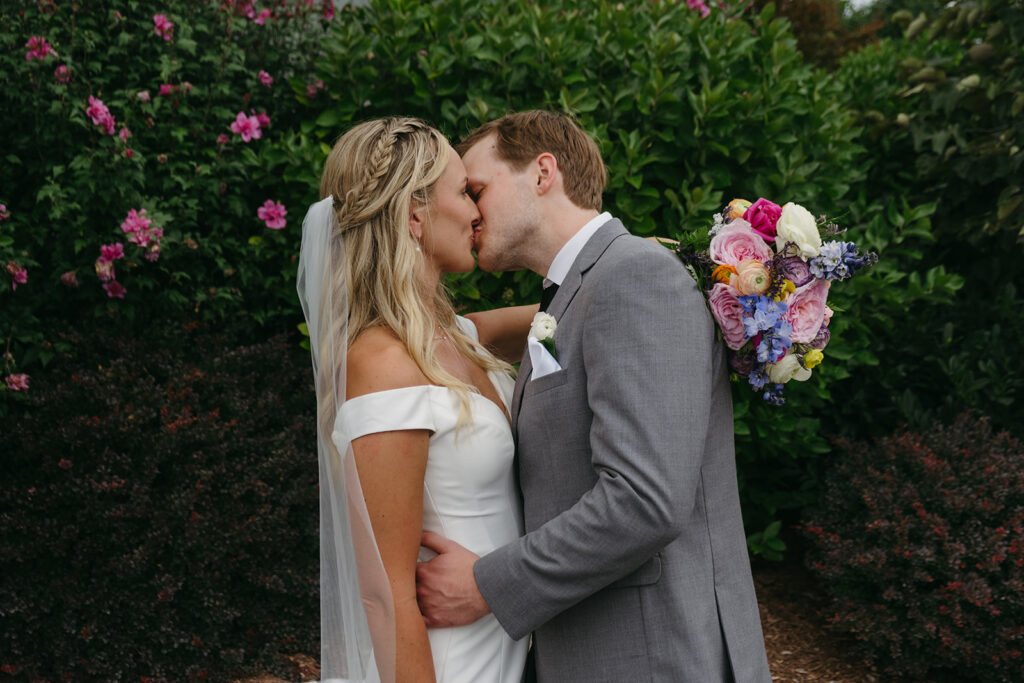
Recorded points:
788,368
797,226
543,326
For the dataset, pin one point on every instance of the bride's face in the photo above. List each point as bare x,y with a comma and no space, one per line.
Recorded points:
448,221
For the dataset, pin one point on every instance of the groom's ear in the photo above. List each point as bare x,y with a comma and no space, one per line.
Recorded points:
547,172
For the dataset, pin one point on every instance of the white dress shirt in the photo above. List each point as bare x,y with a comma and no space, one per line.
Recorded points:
559,268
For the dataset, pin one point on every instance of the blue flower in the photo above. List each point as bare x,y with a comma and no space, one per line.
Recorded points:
773,395
758,378
763,313
839,260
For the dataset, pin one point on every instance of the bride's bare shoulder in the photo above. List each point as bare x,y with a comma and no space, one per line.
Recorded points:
378,361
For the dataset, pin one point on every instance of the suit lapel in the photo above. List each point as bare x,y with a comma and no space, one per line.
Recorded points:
587,257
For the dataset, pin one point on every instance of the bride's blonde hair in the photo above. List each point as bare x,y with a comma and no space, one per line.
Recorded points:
375,172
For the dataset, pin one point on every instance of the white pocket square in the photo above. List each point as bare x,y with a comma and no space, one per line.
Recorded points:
542,361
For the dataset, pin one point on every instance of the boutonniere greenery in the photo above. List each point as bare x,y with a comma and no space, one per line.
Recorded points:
543,330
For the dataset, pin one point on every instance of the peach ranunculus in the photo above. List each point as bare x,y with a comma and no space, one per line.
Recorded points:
806,312
751,277
728,312
737,242
736,208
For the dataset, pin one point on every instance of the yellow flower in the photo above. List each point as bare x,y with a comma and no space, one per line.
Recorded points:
736,208
787,288
812,358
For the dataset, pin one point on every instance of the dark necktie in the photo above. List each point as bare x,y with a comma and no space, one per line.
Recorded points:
547,295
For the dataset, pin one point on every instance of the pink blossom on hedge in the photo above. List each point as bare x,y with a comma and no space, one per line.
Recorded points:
163,26
262,119
100,115
265,78
124,133
222,139
69,279
328,10
166,89
19,275
136,221
186,86
699,6
129,153
115,290
144,95
62,74
17,382
38,48
104,270
153,253
111,252
272,213
4,213
246,126
262,17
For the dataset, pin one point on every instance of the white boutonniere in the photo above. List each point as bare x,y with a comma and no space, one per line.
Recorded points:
543,330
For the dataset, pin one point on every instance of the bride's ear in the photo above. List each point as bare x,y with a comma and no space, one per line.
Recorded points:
417,214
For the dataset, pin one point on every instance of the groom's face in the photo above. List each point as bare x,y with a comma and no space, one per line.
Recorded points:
507,204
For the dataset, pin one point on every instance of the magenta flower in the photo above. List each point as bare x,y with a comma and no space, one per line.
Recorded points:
272,213
124,133
104,270
62,74
136,221
262,119
100,115
246,126
262,17
38,48
115,290
69,279
265,78
222,139
699,6
19,275
310,90
18,382
166,89
163,26
111,252
144,95
762,216
4,213
328,9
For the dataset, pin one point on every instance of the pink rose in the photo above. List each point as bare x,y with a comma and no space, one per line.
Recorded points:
728,312
751,277
737,242
806,312
272,213
265,78
828,316
762,216
18,382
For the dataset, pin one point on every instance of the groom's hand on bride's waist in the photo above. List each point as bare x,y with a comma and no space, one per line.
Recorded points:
445,587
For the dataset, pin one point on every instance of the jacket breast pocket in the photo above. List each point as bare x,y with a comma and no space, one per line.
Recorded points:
546,383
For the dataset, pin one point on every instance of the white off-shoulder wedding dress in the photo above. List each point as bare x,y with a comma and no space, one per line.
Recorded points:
469,496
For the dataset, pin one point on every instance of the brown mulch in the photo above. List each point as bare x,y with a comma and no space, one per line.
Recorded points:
794,610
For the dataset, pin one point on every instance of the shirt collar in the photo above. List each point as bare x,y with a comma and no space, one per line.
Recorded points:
570,250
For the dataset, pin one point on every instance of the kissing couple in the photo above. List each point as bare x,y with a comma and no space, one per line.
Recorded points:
580,524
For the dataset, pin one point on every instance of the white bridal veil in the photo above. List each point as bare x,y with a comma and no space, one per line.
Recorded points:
357,641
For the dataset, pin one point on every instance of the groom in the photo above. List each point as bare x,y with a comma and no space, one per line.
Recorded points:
634,565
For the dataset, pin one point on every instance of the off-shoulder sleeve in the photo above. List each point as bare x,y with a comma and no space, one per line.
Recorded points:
385,411
467,327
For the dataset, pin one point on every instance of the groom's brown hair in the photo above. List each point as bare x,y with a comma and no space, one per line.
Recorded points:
523,136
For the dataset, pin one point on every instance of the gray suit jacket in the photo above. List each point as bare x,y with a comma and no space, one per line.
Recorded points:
634,566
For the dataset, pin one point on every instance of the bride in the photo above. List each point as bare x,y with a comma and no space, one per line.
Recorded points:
412,407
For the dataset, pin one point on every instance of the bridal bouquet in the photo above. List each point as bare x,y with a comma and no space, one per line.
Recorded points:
766,274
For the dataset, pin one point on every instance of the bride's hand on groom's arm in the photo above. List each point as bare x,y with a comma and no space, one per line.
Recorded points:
445,586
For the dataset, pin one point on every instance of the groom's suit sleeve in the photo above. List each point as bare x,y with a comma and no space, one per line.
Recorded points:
646,349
